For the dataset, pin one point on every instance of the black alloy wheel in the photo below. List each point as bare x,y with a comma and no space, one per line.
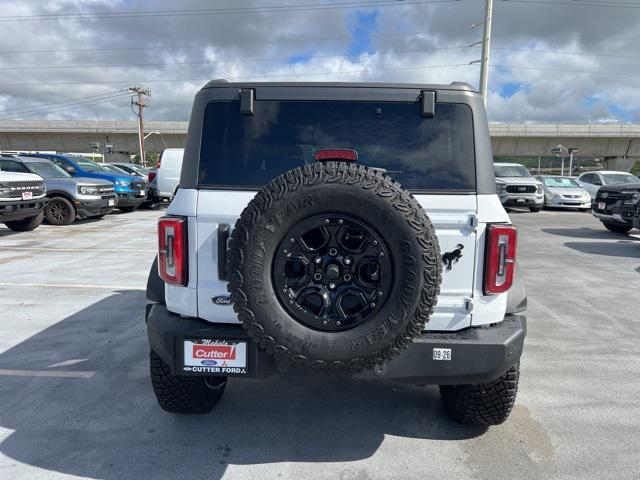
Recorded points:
332,272
60,211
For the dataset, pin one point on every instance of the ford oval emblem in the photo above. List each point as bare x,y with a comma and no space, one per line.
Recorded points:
222,300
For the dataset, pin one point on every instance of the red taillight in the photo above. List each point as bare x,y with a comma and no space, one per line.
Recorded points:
151,176
335,154
500,259
172,250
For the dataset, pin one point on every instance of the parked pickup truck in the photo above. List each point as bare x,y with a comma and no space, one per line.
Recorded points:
22,200
131,190
614,206
70,198
345,229
517,187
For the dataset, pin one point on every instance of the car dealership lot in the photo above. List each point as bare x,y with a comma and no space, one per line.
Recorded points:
76,399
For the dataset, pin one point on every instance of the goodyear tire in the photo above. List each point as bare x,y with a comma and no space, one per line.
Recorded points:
333,267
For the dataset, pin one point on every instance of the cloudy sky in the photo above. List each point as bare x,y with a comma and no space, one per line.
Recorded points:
552,60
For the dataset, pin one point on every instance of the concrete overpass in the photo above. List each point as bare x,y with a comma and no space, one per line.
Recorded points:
617,145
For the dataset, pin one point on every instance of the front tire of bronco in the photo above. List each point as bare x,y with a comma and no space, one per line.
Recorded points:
26,224
483,404
182,393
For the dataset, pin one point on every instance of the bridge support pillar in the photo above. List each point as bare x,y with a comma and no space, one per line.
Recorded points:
621,164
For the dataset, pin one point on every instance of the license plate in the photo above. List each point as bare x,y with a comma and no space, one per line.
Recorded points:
521,200
215,357
27,195
142,193
442,354
602,206
111,202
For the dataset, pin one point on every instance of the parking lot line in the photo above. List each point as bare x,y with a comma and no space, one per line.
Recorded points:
100,250
45,373
68,285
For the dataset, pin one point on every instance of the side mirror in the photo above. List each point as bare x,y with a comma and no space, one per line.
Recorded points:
70,170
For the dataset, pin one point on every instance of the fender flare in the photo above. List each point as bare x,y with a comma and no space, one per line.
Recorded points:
155,285
517,294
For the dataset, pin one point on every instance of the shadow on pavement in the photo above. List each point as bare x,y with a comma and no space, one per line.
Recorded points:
594,233
623,248
109,426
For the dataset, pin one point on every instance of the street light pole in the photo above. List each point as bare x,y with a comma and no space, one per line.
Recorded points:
571,152
486,49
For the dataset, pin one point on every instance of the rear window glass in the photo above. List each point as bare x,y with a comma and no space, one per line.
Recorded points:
248,151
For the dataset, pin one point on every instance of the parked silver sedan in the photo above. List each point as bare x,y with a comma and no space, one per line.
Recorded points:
564,192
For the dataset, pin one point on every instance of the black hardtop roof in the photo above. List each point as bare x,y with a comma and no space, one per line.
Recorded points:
455,86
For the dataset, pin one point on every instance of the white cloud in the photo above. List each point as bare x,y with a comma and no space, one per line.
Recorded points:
554,93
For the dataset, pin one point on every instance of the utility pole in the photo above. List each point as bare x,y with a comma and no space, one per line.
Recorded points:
486,49
140,101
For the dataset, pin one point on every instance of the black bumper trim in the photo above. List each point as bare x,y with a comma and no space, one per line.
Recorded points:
478,354
21,209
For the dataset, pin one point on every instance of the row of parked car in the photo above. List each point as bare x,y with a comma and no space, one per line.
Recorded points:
613,197
62,188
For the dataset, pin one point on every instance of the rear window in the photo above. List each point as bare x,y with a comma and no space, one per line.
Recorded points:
248,151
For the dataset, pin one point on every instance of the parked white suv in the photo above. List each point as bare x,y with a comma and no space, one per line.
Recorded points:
315,229
167,175
22,200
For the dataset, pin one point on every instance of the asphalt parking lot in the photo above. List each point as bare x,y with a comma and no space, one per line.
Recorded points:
75,399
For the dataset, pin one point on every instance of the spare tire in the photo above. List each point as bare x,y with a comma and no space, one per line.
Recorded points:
333,267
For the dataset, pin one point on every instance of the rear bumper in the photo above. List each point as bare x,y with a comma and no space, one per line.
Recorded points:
21,209
477,354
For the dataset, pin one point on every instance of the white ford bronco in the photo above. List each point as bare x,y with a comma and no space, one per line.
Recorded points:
22,199
337,229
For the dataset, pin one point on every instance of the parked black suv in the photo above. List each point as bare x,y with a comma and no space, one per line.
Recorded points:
614,206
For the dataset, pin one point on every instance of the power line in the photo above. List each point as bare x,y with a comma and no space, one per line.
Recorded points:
63,101
138,65
600,3
45,111
222,11
205,45
563,70
256,75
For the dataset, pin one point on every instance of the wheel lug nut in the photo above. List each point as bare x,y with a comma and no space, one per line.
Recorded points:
379,294
326,220
340,222
347,277
338,323
373,305
317,276
375,242
284,290
291,240
285,251
318,260
332,286
333,252
347,261
382,254
290,302
324,322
